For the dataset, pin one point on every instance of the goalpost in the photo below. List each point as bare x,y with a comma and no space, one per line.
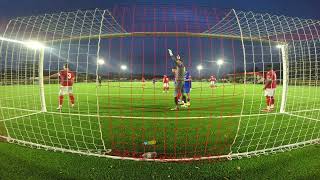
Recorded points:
285,76
119,58
41,80
295,41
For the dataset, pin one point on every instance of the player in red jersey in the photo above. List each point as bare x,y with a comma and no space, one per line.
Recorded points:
66,79
269,88
165,81
213,81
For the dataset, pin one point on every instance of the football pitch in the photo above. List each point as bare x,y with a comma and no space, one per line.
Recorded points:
220,120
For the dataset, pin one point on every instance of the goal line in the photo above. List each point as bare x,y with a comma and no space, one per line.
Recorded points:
18,117
303,117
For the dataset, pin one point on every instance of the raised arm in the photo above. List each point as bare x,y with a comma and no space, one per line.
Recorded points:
172,56
54,75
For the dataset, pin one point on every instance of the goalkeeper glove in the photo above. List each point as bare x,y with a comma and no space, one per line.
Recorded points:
170,52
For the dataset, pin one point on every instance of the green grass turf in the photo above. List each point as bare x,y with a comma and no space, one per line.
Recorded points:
209,132
25,163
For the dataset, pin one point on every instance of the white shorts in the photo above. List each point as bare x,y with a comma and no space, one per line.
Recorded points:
269,92
165,85
65,90
212,82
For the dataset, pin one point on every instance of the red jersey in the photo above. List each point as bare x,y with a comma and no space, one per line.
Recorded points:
66,78
271,76
165,80
213,79
143,80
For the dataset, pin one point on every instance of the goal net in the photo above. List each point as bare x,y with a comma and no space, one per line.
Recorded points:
118,104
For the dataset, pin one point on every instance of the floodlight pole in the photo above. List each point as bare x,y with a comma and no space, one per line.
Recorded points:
41,83
285,77
218,71
199,70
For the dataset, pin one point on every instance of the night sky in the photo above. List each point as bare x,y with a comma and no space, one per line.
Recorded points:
296,8
199,51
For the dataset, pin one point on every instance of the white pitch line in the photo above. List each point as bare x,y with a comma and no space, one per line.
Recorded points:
302,117
172,118
28,110
20,116
169,118
306,110
150,94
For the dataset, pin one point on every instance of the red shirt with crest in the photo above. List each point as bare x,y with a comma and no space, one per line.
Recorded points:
271,76
213,79
165,80
66,78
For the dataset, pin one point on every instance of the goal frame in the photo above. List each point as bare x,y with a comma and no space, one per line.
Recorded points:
285,76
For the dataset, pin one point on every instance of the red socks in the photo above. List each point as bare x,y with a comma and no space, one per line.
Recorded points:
272,100
71,99
60,100
269,100
179,95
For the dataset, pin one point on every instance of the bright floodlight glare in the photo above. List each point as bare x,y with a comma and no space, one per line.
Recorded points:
279,46
34,45
10,40
100,61
220,62
123,67
199,67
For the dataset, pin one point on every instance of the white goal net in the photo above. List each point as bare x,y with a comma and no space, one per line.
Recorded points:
118,107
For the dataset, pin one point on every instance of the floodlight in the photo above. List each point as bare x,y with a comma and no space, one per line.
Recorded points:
220,62
34,45
100,61
123,67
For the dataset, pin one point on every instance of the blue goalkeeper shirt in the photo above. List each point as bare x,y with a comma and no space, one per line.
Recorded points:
187,80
